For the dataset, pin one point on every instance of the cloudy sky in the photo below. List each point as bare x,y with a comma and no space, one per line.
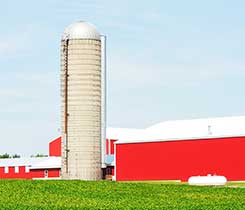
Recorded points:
167,60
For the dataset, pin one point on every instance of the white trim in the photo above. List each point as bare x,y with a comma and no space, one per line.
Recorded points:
45,167
6,169
27,169
16,169
114,147
49,178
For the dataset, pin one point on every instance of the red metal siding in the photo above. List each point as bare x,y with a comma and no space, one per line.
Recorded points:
55,147
33,173
178,160
113,171
1,172
39,173
12,175
53,173
112,146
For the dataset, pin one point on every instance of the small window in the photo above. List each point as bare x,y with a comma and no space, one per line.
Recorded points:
16,169
46,173
27,169
6,169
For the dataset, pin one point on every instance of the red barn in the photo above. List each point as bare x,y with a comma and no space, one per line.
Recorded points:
171,150
176,150
55,147
112,135
34,167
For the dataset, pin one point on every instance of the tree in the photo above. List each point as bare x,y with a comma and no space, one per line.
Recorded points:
5,155
15,156
39,155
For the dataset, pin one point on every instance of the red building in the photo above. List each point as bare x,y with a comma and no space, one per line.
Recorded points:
177,150
55,147
171,150
34,168
181,159
113,134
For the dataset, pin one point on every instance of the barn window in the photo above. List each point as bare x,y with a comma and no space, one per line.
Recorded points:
6,169
27,169
16,169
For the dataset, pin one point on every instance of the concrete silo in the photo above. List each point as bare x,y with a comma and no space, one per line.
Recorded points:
81,102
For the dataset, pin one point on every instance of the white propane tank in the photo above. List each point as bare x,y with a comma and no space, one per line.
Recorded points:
208,180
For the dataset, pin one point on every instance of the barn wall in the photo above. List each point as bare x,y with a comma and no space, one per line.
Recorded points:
13,175
112,146
53,173
33,173
37,173
110,143
107,147
55,147
178,160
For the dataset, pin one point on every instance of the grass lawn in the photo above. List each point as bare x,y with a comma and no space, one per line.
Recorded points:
59,194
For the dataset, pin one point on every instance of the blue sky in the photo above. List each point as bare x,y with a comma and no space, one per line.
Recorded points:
166,60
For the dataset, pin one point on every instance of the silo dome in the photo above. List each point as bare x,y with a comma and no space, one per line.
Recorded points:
81,30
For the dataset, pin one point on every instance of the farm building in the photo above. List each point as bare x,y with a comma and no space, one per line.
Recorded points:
87,150
33,167
171,150
177,150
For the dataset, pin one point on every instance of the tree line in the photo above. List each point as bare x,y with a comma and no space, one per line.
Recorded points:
6,155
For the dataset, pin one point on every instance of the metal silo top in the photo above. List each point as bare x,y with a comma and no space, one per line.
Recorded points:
81,30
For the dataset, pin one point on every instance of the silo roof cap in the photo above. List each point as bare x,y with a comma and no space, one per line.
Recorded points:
81,30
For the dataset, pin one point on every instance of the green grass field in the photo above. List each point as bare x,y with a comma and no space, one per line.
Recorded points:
57,194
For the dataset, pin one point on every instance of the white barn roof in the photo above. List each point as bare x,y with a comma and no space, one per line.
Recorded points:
35,162
49,162
190,129
121,133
